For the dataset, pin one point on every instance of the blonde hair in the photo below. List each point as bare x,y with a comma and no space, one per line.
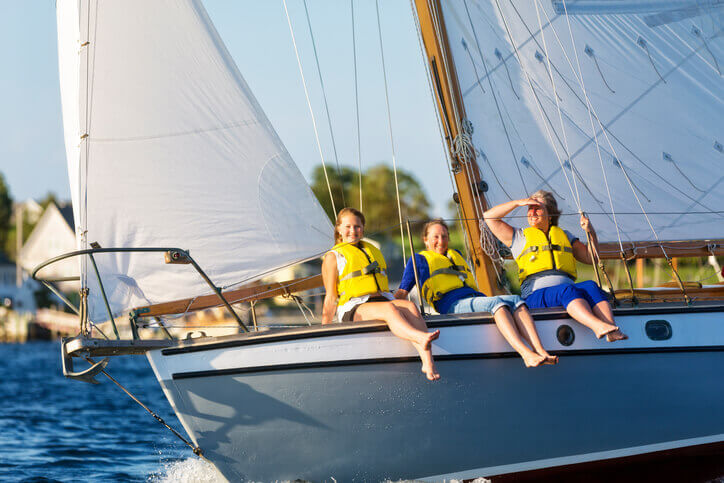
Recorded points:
343,212
549,201
430,224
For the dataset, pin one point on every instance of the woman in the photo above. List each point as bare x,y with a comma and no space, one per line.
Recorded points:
448,285
357,289
546,256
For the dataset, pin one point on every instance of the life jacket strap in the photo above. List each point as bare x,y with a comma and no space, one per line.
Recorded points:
372,268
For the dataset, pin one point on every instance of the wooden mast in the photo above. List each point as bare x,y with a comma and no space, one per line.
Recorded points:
452,113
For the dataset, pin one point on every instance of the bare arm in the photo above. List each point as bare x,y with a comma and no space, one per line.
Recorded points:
580,249
494,219
329,277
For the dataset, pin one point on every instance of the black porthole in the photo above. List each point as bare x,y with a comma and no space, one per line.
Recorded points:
658,330
565,335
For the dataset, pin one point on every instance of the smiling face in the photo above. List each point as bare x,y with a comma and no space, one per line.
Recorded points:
350,228
538,216
437,239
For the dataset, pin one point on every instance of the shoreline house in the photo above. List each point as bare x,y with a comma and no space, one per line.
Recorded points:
53,235
18,298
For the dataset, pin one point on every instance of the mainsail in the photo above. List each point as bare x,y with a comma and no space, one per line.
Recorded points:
167,147
615,106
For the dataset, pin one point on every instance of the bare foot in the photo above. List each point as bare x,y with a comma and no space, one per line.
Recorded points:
428,338
430,372
547,358
616,335
606,329
532,359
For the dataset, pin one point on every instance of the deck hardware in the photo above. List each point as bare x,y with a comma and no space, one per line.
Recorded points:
482,187
177,257
87,375
565,335
658,330
456,198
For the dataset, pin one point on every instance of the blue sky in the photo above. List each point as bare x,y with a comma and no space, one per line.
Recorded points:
32,156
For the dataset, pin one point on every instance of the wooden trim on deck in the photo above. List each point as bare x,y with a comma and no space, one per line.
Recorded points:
245,293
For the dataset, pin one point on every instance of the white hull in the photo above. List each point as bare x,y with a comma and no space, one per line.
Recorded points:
342,401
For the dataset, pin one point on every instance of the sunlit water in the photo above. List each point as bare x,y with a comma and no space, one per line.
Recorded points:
56,429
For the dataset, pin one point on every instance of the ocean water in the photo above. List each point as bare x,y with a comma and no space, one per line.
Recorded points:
57,429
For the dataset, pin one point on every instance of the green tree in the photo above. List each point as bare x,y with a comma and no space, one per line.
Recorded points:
379,198
339,183
6,208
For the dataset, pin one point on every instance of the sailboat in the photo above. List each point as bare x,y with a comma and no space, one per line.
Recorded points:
614,106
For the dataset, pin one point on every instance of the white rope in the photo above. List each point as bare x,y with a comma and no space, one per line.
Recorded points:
538,102
592,113
440,123
389,125
356,105
324,97
311,111
577,196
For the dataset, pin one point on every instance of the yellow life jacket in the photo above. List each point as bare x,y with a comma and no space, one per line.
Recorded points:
541,252
446,273
363,274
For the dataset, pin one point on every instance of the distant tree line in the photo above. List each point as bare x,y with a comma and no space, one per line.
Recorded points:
379,197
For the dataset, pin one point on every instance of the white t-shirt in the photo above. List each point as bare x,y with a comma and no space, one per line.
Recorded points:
354,301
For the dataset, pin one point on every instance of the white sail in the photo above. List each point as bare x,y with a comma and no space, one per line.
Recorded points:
641,122
167,147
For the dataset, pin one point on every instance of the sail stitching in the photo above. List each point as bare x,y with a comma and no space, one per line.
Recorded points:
249,122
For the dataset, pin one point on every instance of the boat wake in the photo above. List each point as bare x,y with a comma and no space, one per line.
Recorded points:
190,470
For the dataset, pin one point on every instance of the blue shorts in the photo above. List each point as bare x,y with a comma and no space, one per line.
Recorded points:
485,304
564,294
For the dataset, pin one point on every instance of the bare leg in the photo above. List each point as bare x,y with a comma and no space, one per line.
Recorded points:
506,326
410,312
526,327
402,328
603,311
581,311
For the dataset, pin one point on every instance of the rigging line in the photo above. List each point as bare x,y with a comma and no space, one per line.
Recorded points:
356,104
589,107
598,120
487,161
683,41
311,111
324,97
623,170
503,60
698,33
538,102
389,125
589,51
472,62
697,202
507,71
577,196
431,90
495,98
438,32
440,124
668,157
641,42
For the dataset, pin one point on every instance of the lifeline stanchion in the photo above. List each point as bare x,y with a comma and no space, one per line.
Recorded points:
197,451
414,268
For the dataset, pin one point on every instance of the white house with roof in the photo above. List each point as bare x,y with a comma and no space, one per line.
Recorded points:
53,235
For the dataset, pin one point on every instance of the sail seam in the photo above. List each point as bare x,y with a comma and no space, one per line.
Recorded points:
245,123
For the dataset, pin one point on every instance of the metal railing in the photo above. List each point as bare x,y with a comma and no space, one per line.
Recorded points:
172,256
